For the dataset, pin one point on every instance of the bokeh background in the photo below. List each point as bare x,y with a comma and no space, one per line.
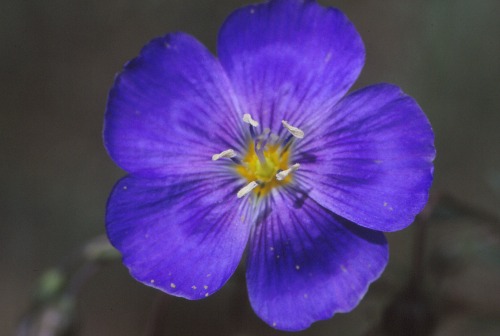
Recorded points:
58,59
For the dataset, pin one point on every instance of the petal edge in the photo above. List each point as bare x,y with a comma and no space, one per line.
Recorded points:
184,238
372,159
305,264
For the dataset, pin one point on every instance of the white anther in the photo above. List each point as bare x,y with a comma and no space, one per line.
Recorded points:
228,153
246,189
296,132
284,173
248,119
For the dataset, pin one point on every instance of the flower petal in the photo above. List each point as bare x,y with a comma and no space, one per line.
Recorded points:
289,59
305,263
183,237
371,162
170,109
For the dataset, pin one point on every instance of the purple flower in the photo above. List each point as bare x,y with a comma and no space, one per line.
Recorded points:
260,145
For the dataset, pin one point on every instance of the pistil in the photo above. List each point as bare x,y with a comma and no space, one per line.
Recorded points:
259,150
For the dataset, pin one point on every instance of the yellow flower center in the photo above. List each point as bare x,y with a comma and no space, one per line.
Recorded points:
266,163
274,159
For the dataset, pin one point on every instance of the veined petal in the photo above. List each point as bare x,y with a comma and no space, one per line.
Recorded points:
171,109
305,263
183,237
289,60
371,161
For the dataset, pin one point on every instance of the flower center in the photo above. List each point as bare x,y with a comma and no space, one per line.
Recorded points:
263,170
266,163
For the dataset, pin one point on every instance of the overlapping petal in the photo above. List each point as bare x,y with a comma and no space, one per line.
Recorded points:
371,162
289,59
183,236
305,263
170,109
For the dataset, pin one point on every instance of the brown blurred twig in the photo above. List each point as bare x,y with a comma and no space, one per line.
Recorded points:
412,312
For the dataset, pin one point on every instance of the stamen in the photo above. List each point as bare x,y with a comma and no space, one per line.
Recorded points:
248,119
228,153
283,174
296,132
236,160
260,146
286,144
246,189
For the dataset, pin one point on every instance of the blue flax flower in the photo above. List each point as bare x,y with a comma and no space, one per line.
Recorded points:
260,146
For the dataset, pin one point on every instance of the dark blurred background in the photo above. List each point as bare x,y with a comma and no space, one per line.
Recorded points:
57,61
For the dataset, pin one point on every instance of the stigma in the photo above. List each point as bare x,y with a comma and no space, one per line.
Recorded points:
265,165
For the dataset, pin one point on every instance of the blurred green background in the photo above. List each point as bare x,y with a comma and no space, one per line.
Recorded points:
57,62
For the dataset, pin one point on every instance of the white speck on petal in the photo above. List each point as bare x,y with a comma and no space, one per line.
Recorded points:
283,174
295,131
297,267
206,294
206,287
209,275
124,187
249,120
274,324
172,285
246,189
328,57
193,287
342,267
152,281
228,153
